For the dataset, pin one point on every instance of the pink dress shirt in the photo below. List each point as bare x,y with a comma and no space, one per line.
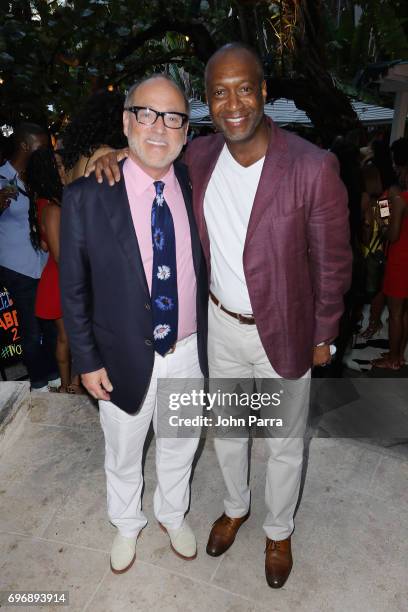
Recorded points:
141,192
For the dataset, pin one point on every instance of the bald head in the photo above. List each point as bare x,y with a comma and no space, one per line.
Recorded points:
159,79
233,51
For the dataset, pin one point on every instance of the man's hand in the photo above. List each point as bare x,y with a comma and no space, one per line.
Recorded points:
97,384
321,355
108,165
6,195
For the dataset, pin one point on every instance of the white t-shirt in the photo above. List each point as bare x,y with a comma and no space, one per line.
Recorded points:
228,203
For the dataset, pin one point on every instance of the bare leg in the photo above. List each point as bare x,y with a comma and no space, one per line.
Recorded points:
76,387
376,308
404,339
62,354
392,359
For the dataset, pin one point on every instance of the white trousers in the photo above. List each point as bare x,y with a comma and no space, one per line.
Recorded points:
125,435
235,351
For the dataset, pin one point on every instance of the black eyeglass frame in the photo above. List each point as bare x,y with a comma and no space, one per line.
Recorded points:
135,109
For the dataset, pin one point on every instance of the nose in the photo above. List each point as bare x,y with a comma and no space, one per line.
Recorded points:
233,102
159,126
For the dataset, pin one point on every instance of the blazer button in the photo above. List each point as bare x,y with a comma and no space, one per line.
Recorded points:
148,342
147,306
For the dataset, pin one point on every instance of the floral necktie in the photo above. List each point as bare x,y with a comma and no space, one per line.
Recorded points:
164,277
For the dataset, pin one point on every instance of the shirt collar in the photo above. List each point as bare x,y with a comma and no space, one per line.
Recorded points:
8,168
142,181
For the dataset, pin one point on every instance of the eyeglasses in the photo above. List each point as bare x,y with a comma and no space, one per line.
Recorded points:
149,116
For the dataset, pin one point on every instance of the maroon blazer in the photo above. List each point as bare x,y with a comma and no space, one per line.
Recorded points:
297,255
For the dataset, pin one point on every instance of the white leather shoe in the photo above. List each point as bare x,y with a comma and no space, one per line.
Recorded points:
43,389
123,554
55,383
182,541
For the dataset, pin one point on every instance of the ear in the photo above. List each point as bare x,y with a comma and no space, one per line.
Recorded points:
25,146
186,133
264,90
126,123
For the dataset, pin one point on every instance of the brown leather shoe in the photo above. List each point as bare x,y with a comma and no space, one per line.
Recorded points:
278,562
223,534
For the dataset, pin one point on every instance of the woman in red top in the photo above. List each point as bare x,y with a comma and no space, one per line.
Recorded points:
395,285
45,183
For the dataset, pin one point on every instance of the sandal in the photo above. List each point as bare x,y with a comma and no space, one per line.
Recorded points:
385,363
402,361
60,389
74,389
373,328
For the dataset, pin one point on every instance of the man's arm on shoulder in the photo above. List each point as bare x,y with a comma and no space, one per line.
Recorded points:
106,166
76,294
330,253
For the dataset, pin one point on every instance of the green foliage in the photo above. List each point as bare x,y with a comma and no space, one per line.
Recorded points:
53,53
381,35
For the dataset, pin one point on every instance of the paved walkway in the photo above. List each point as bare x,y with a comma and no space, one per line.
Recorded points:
350,545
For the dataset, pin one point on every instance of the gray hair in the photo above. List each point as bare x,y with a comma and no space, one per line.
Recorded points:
135,86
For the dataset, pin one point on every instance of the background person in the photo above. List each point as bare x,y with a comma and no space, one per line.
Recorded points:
377,177
395,285
44,180
96,129
22,260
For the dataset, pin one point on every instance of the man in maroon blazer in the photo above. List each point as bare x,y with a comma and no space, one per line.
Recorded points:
273,221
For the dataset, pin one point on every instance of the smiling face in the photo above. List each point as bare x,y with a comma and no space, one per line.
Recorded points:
155,147
236,94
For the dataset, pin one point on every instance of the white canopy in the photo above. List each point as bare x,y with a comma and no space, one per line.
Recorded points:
284,111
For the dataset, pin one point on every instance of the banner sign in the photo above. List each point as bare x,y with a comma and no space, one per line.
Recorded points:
10,339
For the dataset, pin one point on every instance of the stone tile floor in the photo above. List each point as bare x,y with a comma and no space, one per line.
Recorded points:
350,545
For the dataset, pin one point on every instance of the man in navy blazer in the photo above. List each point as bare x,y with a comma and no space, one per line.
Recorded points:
108,273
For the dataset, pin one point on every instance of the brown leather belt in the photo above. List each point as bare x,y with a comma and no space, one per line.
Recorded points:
241,318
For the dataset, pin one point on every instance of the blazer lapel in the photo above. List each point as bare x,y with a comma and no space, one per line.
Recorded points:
116,203
275,165
185,185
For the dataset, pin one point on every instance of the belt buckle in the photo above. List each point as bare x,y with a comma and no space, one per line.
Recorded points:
244,320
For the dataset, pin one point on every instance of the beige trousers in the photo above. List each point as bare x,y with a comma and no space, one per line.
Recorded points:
125,435
235,351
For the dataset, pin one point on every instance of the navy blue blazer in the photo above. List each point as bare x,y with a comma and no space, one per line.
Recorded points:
105,296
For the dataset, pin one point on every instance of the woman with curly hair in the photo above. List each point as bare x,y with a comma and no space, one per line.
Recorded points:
45,186
96,129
